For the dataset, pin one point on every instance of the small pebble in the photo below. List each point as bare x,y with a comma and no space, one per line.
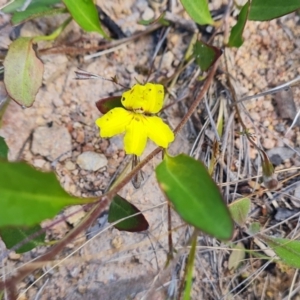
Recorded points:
117,242
14,256
279,154
39,163
80,138
91,161
148,14
268,143
82,289
70,166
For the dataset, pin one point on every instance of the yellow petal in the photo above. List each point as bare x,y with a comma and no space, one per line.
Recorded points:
146,98
135,139
159,132
114,122
154,95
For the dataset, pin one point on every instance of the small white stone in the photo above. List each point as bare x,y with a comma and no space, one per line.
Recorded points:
117,242
148,14
91,161
39,163
14,256
70,166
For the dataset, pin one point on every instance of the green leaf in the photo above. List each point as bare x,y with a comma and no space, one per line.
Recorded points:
36,9
85,14
194,194
35,12
11,236
106,104
263,10
120,208
287,250
239,210
236,256
18,4
198,11
254,228
269,175
205,55
28,196
23,71
3,148
236,34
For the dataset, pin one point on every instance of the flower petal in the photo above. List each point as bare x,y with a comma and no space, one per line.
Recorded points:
135,139
154,94
147,98
114,122
159,132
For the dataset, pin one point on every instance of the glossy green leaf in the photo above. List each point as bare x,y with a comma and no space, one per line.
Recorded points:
84,12
194,194
18,4
198,11
120,208
11,236
205,55
35,12
3,148
23,71
236,34
28,196
106,104
239,210
287,250
263,10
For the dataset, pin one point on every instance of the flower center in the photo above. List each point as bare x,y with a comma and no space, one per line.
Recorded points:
139,110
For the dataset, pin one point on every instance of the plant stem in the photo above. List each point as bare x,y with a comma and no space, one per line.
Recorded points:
54,34
199,97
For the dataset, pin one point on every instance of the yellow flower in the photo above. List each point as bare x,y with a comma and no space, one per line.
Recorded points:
136,119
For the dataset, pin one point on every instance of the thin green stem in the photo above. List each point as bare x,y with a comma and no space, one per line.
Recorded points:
190,267
54,34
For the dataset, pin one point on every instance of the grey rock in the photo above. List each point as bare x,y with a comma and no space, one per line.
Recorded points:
279,154
91,161
284,213
286,105
280,127
148,14
52,142
117,142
